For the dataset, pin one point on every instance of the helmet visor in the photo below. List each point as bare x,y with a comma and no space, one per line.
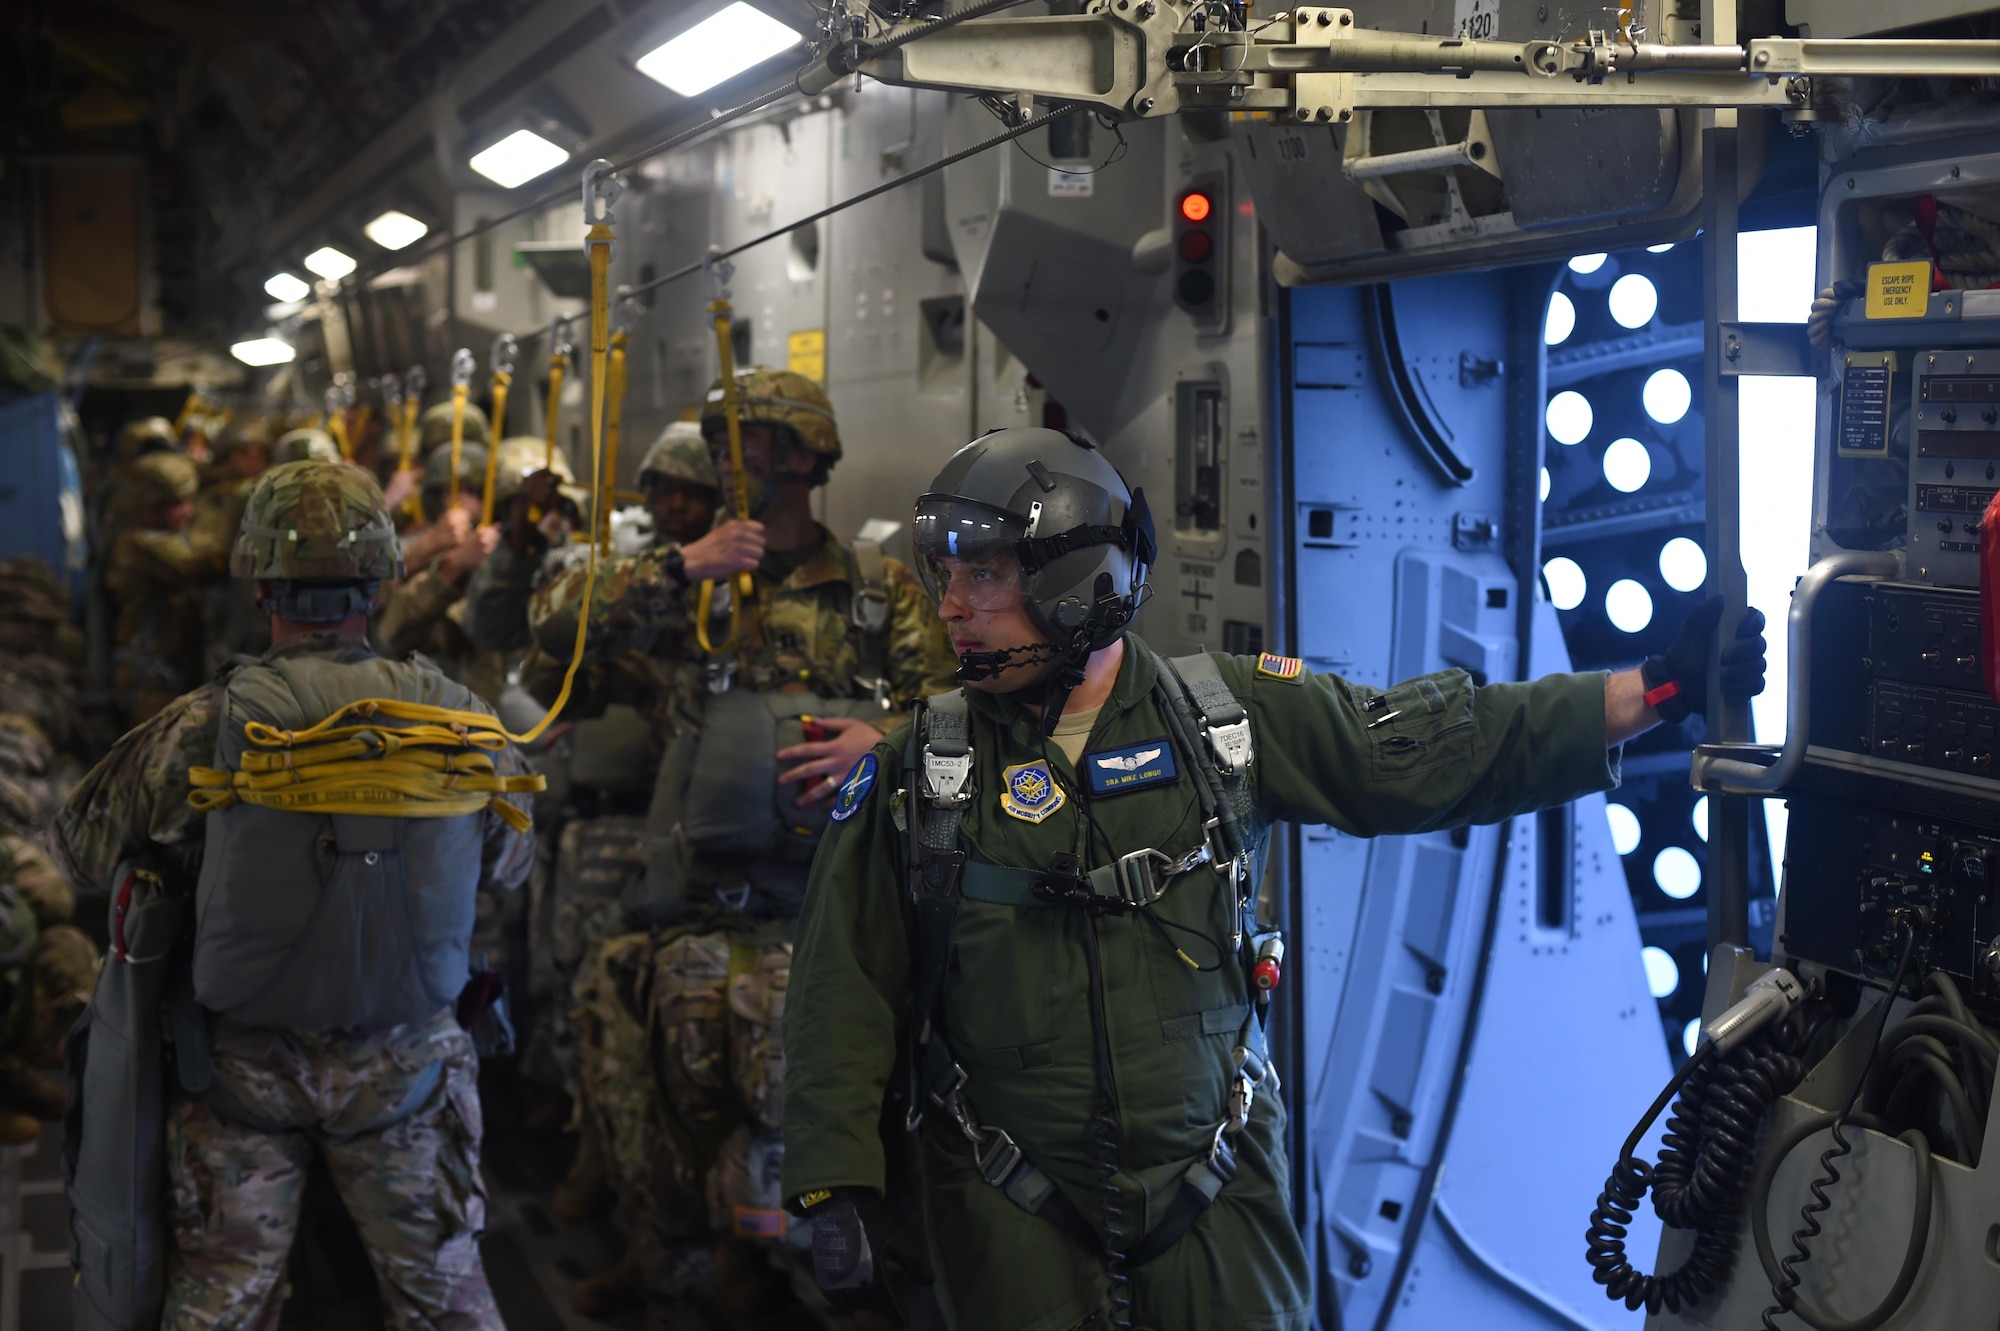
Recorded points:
968,551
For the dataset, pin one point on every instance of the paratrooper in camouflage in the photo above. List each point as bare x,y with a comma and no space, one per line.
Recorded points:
394,1111
690,1145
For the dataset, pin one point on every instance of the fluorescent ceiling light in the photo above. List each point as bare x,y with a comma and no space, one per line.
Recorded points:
518,159
393,230
262,351
717,48
285,289
329,263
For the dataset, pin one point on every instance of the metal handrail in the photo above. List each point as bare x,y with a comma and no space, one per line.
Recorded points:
1717,765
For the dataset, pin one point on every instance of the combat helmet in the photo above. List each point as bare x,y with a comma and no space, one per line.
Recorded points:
145,435
437,472
1047,513
166,477
679,454
778,397
320,533
303,445
521,456
435,427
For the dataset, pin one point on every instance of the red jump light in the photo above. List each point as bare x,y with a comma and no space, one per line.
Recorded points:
1196,206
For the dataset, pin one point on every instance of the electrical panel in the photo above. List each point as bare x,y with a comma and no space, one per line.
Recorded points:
1898,806
1954,461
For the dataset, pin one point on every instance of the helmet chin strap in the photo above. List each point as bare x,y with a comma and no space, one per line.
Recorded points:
1050,692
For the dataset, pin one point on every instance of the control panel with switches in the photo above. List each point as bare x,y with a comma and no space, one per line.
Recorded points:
1849,865
1954,462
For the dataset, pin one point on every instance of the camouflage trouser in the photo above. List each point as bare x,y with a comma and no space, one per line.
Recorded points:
683,1071
413,1187
574,906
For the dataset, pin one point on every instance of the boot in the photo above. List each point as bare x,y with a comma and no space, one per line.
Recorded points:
613,1291
585,1193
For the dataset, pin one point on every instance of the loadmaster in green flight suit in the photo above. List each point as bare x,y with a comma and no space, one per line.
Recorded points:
1041,894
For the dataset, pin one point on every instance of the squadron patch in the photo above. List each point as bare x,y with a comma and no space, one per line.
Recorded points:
1115,771
1029,792
1279,667
855,789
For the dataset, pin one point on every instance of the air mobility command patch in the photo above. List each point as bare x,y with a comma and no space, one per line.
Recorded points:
855,789
1029,792
1115,771
1286,668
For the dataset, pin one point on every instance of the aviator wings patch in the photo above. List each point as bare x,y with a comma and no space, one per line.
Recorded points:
1134,767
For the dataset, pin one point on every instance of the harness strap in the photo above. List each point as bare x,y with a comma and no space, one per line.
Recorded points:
868,609
1138,879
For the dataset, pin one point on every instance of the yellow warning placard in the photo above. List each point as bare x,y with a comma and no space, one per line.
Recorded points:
806,354
1898,290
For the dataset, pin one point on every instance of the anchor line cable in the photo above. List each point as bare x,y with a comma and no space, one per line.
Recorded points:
952,159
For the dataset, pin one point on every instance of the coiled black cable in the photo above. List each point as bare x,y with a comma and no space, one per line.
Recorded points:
1704,1162
1784,1289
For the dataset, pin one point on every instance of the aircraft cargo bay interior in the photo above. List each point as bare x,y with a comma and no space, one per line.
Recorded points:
1007,665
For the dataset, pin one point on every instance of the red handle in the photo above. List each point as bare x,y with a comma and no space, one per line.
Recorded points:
1265,975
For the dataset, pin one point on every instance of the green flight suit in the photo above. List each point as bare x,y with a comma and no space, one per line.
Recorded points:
1430,753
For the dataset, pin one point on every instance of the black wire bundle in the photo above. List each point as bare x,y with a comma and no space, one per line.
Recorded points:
1704,1162
1928,1078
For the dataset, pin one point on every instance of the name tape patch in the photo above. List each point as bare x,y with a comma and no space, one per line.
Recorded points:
1134,767
1028,791
855,789
1279,667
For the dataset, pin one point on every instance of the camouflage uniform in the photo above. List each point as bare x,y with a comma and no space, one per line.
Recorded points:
694,1144
232,622
425,612
153,577
47,968
413,1188
575,903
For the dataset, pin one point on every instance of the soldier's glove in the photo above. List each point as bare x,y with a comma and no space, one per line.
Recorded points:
843,1263
1677,683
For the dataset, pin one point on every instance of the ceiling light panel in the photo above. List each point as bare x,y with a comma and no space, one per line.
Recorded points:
329,263
393,230
285,288
717,49
518,159
262,351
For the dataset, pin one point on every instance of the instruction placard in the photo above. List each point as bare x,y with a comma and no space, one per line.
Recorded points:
805,353
1898,290
1071,184
1864,404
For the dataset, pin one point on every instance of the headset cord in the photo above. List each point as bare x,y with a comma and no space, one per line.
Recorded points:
1784,1291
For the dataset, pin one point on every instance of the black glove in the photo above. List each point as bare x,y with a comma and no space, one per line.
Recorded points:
843,1263
1677,683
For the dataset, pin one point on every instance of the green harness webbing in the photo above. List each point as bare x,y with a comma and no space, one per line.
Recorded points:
937,763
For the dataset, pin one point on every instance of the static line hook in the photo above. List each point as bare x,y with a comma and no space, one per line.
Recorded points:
559,344
392,391
501,359
462,367
415,382
601,190
718,271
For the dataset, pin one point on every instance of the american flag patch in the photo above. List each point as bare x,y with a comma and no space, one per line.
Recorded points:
1279,667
